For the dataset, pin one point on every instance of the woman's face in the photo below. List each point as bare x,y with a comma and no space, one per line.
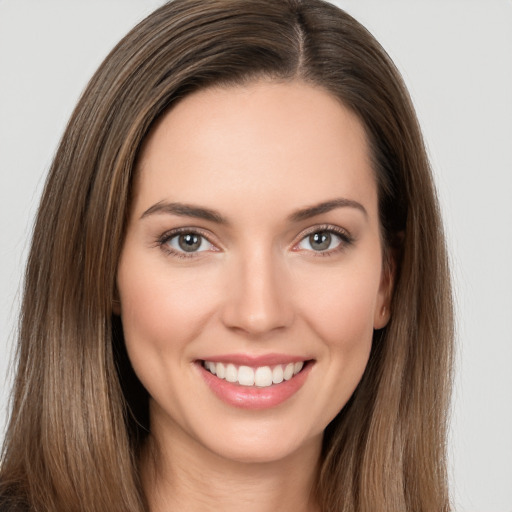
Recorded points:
251,277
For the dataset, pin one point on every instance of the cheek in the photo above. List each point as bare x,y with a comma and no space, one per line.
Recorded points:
340,305
162,311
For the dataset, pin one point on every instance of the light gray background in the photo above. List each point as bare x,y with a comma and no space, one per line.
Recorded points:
456,58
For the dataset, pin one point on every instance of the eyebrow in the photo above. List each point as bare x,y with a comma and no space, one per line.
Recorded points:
327,206
185,210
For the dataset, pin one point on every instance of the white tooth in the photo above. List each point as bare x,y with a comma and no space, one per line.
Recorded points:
246,376
213,368
277,374
231,373
288,371
263,376
297,367
220,370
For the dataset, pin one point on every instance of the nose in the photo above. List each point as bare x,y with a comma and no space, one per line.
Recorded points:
258,299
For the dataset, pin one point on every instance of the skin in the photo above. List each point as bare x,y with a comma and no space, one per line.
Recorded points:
255,155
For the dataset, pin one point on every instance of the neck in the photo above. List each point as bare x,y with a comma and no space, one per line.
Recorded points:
185,476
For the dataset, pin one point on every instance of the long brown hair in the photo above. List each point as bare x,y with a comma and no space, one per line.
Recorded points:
79,415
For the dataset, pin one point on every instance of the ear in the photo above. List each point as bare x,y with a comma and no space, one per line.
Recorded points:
382,312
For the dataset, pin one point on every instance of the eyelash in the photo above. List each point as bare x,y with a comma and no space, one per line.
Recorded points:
346,240
163,240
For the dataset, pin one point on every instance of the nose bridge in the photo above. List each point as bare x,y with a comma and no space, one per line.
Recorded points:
257,300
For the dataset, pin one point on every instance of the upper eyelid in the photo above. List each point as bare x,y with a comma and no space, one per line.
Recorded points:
323,227
171,233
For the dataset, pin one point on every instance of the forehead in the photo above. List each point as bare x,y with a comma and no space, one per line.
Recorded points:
291,143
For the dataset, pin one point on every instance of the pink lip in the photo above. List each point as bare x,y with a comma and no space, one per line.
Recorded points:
246,397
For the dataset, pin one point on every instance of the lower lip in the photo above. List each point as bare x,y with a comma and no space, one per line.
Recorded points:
249,397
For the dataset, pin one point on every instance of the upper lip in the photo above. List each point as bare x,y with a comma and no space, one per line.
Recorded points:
256,360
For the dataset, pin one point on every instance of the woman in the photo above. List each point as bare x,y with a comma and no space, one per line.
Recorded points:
237,292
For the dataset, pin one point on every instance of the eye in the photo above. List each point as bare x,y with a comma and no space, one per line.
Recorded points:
320,241
187,242
324,241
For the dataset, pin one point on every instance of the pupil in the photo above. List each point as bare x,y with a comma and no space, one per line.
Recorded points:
320,241
189,242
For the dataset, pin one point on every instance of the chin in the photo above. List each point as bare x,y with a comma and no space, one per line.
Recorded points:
263,444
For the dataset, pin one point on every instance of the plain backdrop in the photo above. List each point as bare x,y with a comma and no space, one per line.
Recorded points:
456,58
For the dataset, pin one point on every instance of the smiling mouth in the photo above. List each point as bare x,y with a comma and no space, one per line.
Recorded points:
259,377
